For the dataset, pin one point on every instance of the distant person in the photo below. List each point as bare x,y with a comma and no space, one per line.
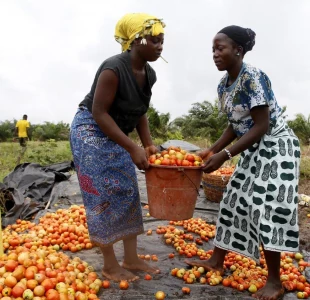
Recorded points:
259,206
104,155
22,130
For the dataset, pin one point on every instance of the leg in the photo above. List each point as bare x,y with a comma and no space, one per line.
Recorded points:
273,289
214,263
111,269
131,259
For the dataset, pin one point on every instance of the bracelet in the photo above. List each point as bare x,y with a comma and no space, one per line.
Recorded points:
228,153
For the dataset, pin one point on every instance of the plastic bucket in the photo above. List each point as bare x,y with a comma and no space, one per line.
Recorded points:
172,191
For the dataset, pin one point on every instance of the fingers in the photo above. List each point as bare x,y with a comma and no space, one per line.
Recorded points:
143,165
146,165
208,167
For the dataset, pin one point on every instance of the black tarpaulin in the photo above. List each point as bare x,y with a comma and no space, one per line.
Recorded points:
27,189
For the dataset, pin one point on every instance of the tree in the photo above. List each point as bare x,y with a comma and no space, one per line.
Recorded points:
160,125
7,130
301,127
204,120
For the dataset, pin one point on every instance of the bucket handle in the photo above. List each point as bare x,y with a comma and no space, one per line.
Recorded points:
182,170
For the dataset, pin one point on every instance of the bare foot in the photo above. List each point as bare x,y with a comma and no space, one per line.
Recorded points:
118,273
141,265
271,291
207,264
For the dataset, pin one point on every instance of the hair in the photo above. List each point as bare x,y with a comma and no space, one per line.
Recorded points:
244,37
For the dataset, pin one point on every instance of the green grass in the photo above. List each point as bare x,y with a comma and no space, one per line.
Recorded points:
43,153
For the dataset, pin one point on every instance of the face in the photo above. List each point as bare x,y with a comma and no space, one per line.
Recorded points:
225,52
152,50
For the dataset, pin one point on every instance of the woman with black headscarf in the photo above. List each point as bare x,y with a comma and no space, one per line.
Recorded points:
259,206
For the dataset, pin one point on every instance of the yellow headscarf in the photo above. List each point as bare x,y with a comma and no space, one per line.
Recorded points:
136,25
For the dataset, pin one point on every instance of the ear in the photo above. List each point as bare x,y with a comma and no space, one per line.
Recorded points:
137,42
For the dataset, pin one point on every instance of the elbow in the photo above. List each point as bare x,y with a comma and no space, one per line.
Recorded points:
98,116
263,128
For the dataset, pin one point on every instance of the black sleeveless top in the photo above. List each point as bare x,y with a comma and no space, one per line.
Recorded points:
131,102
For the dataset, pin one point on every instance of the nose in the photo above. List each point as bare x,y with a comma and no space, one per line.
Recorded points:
160,47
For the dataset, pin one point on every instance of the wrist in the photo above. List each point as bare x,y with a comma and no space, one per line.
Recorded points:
214,149
148,146
131,147
227,154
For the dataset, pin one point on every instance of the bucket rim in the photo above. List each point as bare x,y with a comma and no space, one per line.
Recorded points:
176,167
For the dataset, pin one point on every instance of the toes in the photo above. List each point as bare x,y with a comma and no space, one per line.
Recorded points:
133,279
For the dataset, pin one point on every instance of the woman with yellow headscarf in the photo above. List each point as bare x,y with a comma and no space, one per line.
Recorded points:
104,155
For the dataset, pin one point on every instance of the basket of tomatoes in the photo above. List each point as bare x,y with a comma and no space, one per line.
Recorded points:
215,183
172,183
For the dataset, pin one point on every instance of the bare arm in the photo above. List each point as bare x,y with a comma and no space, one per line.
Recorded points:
104,96
145,136
226,138
144,131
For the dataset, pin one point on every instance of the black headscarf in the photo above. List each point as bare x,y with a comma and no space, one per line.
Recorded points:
245,37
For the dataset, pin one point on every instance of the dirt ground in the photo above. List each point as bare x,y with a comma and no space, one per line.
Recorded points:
304,186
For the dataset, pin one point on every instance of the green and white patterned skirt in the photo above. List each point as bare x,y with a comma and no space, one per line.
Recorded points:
260,203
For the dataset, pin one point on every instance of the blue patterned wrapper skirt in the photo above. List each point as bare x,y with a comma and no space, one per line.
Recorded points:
108,182
260,203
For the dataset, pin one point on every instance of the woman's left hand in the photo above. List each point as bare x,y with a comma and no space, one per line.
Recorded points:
151,150
214,162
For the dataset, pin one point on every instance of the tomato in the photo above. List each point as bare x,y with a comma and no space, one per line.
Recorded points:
47,284
52,295
185,163
160,295
28,294
186,290
166,162
11,265
17,291
148,277
300,286
10,281
105,284
226,282
39,291
123,285
190,157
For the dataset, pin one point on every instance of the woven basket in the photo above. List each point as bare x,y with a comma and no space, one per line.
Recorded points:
214,186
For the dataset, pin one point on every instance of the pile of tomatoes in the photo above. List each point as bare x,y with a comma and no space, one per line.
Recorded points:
241,272
224,171
46,274
65,229
175,156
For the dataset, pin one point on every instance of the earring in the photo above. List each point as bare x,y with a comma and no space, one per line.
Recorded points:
238,54
143,41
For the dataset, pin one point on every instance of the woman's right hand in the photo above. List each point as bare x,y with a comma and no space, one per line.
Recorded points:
205,154
138,156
